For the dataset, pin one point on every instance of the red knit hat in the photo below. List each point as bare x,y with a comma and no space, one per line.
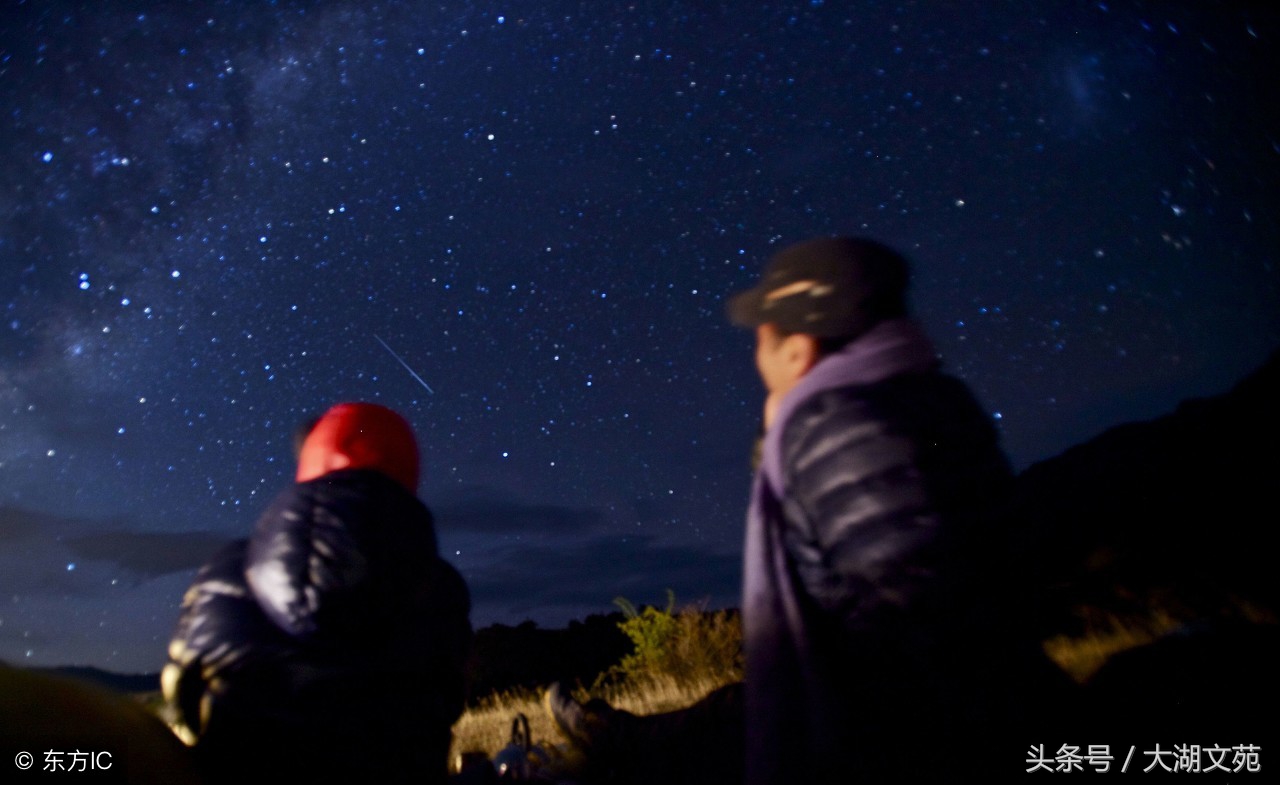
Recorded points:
361,436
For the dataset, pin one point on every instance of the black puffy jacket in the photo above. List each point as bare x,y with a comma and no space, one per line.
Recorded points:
892,490
333,641
870,599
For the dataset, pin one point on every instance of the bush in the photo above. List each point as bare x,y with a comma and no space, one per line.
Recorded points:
685,647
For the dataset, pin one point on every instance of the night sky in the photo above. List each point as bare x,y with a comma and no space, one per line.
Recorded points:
215,223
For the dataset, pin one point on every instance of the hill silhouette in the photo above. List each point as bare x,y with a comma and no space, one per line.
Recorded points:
505,657
1173,510
118,682
1159,531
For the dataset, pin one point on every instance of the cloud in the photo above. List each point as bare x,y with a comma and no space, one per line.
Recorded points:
149,554
41,552
85,590
555,563
499,516
554,583
17,524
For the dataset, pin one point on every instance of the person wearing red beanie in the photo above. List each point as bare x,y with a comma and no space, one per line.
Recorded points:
333,641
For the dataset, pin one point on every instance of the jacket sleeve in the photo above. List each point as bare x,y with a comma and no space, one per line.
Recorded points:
221,634
857,519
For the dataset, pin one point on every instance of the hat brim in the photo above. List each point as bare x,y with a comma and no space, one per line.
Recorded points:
746,309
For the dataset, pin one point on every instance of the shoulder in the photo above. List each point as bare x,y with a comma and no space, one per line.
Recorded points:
336,547
227,564
905,423
350,488
351,501
897,394
220,580
898,403
839,420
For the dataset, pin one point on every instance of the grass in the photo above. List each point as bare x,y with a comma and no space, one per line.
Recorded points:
486,726
1132,617
1106,635
680,657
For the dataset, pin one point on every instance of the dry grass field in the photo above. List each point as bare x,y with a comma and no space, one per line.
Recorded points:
486,727
679,657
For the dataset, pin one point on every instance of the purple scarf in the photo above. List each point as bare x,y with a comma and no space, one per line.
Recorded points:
888,349
780,682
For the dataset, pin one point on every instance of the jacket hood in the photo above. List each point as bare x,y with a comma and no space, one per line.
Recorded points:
361,436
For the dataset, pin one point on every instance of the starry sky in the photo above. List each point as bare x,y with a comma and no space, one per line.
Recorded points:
217,219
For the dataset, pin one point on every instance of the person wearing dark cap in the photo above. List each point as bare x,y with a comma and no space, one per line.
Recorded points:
871,639
332,643
874,637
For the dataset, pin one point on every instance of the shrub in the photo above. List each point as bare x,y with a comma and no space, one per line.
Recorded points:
687,647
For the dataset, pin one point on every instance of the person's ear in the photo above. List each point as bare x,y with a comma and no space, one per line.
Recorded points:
801,353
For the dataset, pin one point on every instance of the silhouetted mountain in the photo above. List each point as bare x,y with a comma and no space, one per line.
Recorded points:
504,657
1178,506
1166,520
120,682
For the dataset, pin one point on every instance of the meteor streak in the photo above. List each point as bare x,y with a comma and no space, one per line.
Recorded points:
405,364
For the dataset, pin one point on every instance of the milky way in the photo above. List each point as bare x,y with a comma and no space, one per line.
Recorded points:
215,223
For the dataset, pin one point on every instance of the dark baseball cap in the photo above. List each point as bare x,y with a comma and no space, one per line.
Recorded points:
829,287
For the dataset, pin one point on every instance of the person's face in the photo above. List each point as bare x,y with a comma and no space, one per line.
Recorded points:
782,362
771,360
